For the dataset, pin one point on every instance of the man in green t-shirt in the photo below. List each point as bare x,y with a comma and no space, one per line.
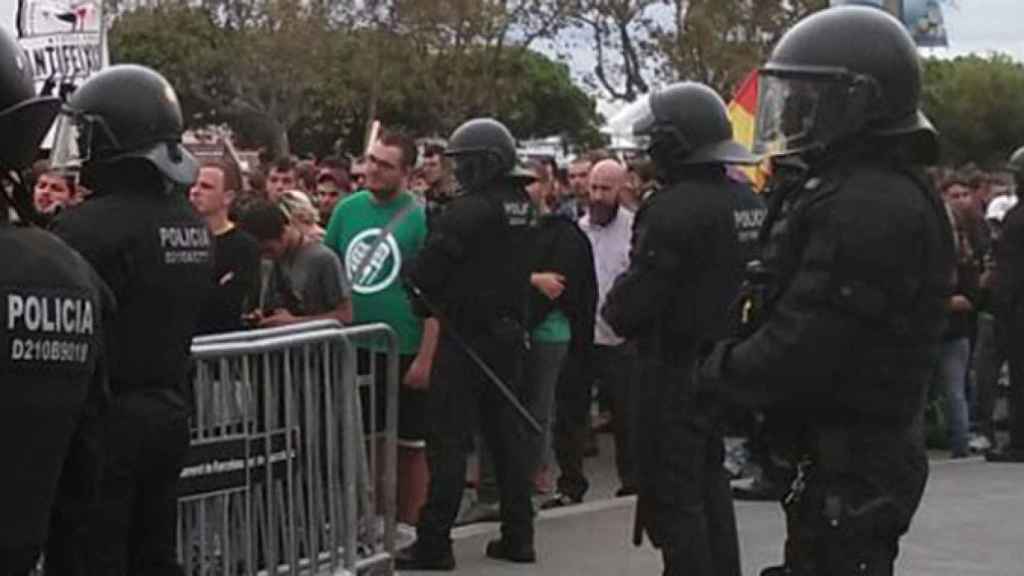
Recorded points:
374,268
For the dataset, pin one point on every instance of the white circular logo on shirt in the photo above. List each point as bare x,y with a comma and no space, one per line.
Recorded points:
380,269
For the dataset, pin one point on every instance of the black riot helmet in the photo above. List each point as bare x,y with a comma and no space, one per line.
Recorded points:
25,119
124,112
484,151
687,123
844,72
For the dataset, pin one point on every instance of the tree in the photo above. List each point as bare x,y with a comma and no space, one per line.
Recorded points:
974,103
620,32
466,50
546,101
254,65
294,74
717,42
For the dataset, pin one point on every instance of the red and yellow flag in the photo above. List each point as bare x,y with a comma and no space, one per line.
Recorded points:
743,114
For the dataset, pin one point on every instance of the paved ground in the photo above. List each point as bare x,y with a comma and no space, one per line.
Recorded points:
971,524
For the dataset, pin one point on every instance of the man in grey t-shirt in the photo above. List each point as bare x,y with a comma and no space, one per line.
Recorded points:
306,281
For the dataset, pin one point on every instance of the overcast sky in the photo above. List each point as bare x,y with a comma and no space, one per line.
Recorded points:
986,26
980,26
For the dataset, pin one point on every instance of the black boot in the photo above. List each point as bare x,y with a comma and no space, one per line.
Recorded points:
502,549
422,556
1008,454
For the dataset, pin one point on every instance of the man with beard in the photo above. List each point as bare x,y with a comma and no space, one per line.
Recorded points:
374,231
609,229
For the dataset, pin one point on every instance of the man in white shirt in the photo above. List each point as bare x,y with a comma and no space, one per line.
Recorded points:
610,229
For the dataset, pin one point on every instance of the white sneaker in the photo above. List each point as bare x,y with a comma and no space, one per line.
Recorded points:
979,443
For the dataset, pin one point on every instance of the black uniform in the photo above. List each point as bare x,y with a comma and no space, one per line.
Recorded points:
748,216
475,268
685,270
859,259
1010,313
52,319
1008,305
145,240
51,322
852,330
155,253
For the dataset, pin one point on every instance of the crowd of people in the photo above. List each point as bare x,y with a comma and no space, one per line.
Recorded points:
301,239
974,355
658,287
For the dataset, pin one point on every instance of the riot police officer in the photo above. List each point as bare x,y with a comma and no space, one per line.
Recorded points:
1010,311
52,306
473,274
122,130
685,269
860,253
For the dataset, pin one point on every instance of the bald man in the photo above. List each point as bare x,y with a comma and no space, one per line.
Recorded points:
609,229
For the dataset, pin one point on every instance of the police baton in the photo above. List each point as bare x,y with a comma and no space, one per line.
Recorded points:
494,379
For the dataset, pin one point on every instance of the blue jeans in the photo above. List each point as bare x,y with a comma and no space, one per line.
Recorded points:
951,376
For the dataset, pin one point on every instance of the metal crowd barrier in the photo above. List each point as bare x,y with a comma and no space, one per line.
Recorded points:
291,470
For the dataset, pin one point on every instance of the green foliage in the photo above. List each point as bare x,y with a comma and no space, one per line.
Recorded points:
183,43
975,103
290,74
718,42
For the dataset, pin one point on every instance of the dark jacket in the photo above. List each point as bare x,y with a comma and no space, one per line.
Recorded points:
54,312
749,215
560,246
155,253
685,271
475,269
962,324
862,253
1009,293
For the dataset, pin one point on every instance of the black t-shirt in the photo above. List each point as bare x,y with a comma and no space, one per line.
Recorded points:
236,286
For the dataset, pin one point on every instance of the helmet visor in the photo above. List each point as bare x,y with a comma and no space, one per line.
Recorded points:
75,138
798,112
633,124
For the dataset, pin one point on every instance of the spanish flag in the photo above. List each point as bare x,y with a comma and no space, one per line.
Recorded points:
742,114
